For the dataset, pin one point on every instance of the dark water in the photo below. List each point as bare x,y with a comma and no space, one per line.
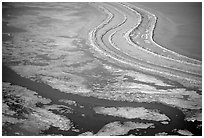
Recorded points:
92,121
88,123
10,29
179,26
7,30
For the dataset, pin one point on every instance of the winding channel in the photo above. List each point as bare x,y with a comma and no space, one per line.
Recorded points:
115,38
88,123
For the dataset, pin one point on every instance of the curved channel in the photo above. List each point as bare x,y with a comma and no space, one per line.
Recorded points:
113,39
88,123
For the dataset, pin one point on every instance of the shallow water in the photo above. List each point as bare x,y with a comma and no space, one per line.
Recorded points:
87,123
185,19
10,29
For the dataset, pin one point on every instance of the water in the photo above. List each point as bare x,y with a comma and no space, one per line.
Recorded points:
10,29
88,122
179,26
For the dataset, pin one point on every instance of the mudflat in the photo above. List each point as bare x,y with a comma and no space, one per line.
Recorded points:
95,69
178,27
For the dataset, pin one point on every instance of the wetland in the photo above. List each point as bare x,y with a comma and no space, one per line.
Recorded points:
60,76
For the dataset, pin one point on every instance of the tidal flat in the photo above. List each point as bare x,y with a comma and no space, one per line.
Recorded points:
56,83
173,36
26,113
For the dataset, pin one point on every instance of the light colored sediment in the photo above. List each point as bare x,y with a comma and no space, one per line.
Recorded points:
197,116
172,55
161,134
121,90
146,93
130,113
61,59
136,76
69,102
21,102
166,73
185,132
116,128
88,133
60,108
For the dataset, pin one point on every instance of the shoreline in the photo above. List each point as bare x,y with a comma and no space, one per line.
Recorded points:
91,38
154,42
161,33
68,70
88,101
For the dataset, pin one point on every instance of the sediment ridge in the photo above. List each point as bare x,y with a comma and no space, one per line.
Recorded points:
120,39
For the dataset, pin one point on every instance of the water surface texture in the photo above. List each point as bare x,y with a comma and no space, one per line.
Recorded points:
101,69
185,20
